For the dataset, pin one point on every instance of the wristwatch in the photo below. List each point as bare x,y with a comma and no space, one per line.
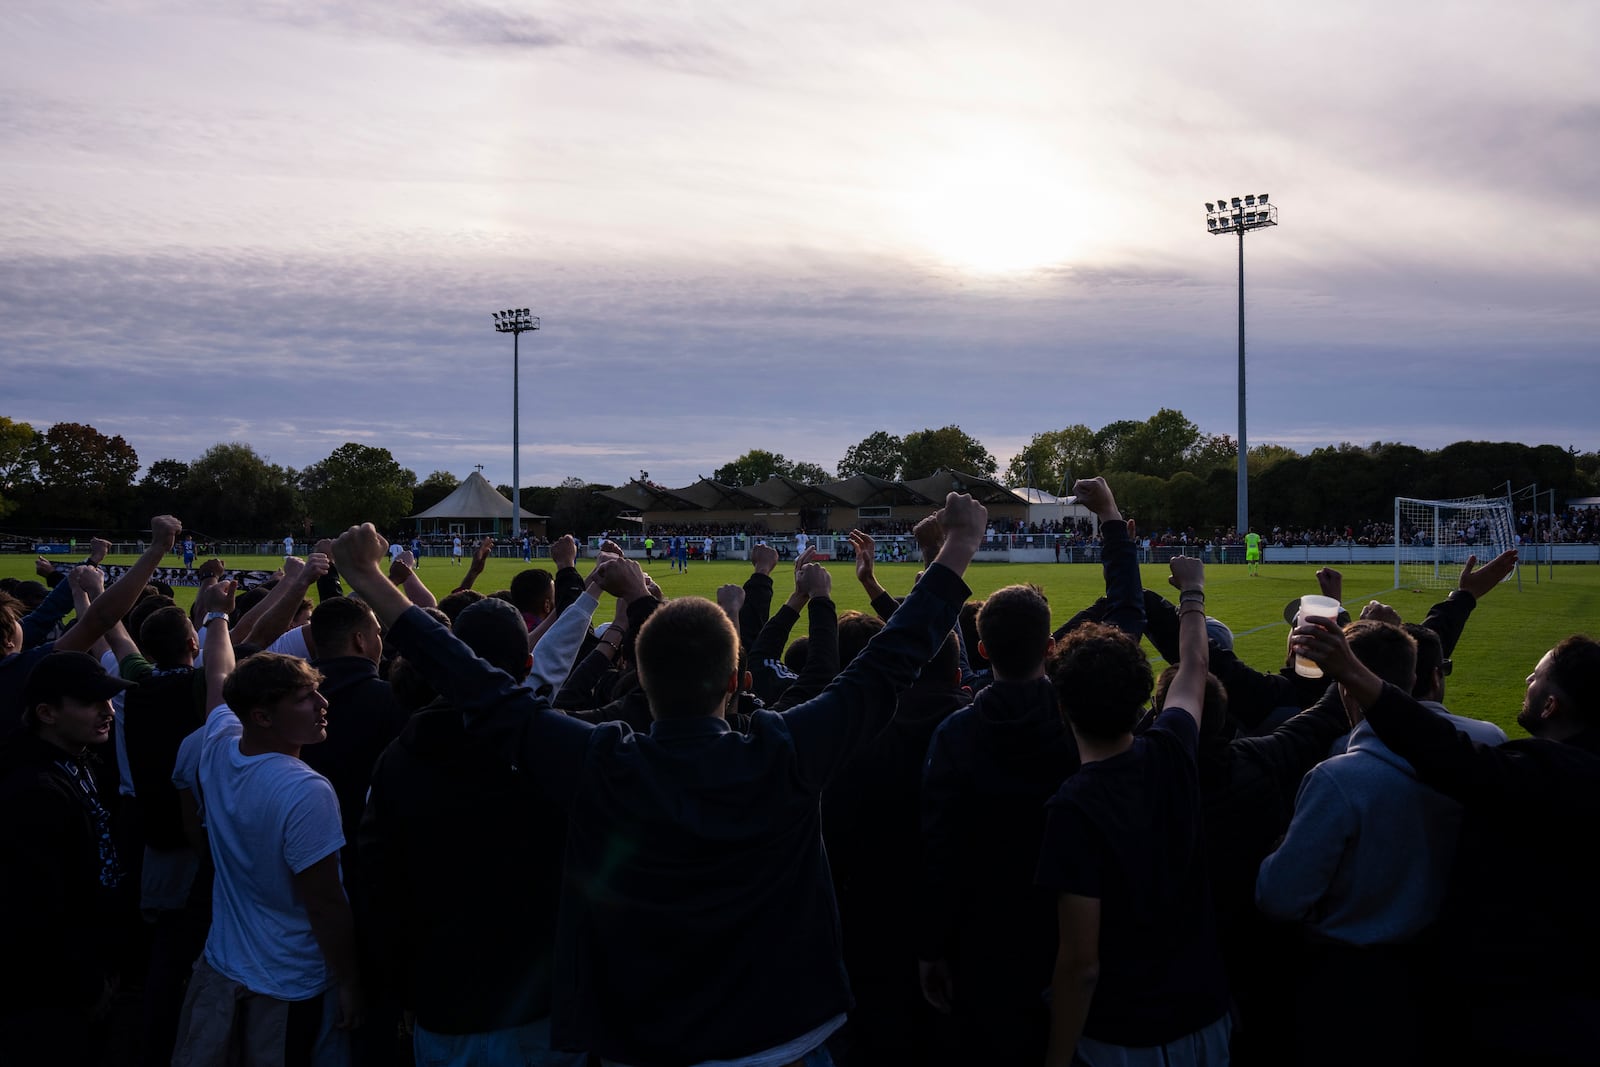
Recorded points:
213,616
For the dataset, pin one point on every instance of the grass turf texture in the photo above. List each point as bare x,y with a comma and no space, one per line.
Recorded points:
1507,634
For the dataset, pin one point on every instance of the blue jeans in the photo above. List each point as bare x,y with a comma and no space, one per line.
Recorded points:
1206,1047
515,1046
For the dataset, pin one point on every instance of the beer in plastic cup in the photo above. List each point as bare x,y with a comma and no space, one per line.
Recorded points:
1313,607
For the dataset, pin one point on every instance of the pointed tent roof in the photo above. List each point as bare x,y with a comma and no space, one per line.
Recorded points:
646,496
782,492
474,498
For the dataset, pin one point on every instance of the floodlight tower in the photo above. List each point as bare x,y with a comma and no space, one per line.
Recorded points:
516,322
1224,217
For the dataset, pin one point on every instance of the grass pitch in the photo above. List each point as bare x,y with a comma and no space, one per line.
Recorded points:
1507,634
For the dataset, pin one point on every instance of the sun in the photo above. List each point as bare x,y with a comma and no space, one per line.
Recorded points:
994,213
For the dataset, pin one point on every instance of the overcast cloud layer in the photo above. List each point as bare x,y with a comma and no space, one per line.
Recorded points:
785,226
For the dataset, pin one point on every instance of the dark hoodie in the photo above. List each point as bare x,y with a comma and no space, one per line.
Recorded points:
463,855
870,818
990,769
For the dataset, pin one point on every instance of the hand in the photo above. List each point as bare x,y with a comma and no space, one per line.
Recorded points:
764,558
292,566
866,554
481,553
351,1011
930,537
360,548
164,531
1187,573
211,568
1095,494
652,589
1380,612
316,566
1479,583
219,597
98,547
87,580
730,598
623,578
406,558
43,567
1323,642
1331,583
938,988
963,520
564,552
812,580
325,546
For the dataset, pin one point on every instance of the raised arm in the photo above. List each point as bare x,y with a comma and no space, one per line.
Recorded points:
267,621
217,604
122,594
1119,558
1188,689
828,729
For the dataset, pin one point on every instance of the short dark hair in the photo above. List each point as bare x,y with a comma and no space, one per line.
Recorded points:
685,654
1575,670
264,679
1014,626
1102,680
493,628
795,656
165,635
1214,710
335,621
456,602
1430,654
530,588
855,630
1385,650
135,619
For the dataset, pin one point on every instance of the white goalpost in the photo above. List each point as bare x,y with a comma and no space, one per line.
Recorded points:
1433,538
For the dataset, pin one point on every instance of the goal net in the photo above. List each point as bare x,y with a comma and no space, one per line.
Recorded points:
1433,538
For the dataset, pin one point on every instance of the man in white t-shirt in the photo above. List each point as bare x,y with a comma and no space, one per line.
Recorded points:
288,545
455,551
394,551
278,977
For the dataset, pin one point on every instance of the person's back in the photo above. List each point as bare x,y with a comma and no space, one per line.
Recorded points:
698,922
989,931
462,850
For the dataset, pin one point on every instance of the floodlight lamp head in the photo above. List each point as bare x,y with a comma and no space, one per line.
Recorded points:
1250,200
1262,198
1210,206
1235,201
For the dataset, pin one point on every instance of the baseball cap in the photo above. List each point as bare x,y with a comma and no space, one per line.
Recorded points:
68,674
1219,633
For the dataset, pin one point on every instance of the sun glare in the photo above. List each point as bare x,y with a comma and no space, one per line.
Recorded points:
996,213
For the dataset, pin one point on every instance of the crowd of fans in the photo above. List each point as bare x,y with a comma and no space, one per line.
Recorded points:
576,822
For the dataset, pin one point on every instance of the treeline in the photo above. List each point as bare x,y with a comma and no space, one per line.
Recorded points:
72,477
1165,472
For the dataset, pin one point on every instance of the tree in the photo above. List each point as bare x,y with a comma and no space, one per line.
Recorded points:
1264,457
809,473
357,483
231,490
877,455
432,489
1054,458
947,448
752,468
161,488
19,459
85,477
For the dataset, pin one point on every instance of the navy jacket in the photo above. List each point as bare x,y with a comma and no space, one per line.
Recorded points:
697,915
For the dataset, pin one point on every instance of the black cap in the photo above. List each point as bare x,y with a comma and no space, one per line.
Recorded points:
68,674
495,630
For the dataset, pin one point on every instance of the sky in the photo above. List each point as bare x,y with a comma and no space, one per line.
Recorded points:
785,226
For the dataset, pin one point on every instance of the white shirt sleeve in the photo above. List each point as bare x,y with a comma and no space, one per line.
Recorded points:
292,643
553,655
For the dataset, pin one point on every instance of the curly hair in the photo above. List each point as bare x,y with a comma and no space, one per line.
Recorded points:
1102,680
